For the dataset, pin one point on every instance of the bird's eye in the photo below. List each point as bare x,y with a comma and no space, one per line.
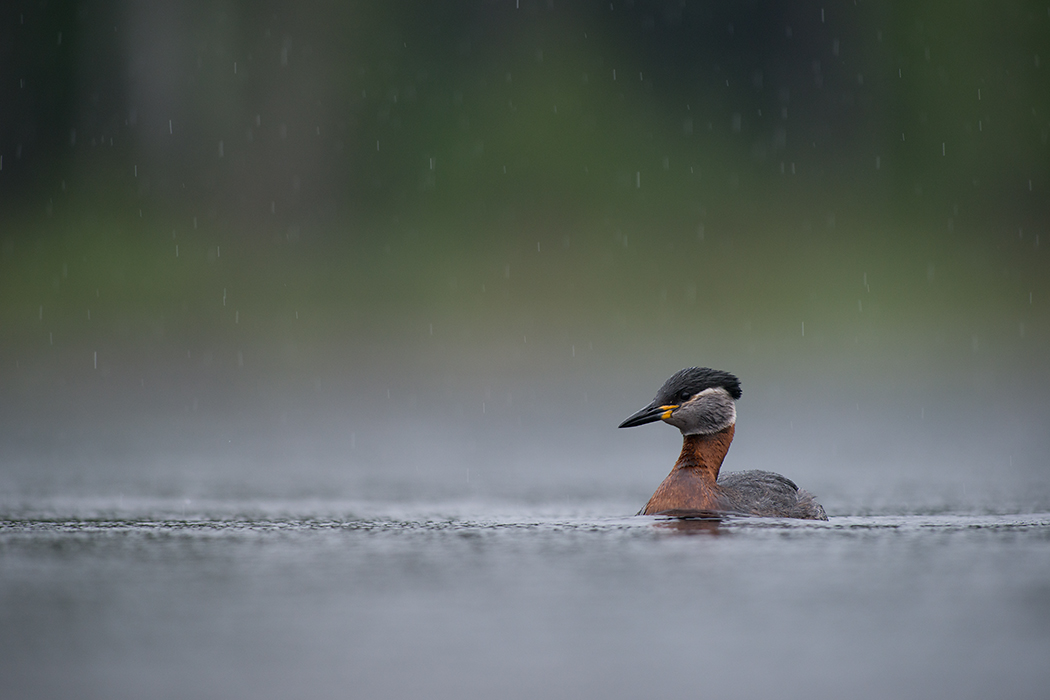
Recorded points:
684,395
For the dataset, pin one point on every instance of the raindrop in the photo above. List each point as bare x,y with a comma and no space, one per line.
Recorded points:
220,149
41,313
224,296
638,179
942,148
614,75
878,162
803,329
170,130
237,316
96,359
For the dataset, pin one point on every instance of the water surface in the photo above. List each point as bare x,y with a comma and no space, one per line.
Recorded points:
174,598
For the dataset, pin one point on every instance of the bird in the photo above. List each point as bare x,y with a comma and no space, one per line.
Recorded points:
701,402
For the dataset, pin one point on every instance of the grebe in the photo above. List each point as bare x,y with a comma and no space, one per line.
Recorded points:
700,402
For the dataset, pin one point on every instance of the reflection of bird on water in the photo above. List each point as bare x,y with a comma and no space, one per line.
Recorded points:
700,402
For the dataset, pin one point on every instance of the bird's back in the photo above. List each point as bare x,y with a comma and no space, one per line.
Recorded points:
768,494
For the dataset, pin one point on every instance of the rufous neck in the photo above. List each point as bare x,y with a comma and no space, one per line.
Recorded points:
705,453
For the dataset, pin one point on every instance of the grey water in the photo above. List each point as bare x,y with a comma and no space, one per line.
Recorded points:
437,550
444,540
171,598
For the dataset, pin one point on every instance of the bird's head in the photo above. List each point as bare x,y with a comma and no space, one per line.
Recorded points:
696,400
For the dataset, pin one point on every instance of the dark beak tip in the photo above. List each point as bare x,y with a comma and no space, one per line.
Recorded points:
649,414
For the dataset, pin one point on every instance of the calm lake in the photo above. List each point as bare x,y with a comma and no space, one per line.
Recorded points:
276,599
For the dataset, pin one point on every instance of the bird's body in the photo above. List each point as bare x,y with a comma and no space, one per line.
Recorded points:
699,401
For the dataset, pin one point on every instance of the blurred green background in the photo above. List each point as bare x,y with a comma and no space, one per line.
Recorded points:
309,247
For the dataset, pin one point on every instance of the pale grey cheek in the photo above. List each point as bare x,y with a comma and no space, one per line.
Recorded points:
708,415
